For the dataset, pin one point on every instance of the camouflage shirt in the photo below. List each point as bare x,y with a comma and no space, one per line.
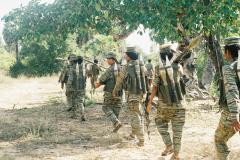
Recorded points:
108,79
149,68
231,90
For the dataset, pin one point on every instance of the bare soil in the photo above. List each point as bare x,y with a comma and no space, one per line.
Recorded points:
34,125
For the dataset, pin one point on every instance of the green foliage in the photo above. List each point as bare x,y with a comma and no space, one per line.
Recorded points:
100,46
170,19
201,63
39,58
6,60
17,69
213,89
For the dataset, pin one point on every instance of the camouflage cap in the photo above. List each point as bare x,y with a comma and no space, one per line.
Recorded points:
232,41
111,55
72,57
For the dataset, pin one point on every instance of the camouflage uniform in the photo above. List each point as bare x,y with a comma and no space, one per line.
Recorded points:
112,105
149,73
75,86
149,68
170,111
93,74
231,111
134,100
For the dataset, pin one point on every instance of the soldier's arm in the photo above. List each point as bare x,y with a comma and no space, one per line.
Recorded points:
180,70
103,78
63,74
121,76
154,90
231,91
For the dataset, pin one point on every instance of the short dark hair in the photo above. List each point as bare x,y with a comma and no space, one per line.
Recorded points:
149,60
233,49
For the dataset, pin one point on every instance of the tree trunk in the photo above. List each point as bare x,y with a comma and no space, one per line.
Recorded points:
217,58
208,74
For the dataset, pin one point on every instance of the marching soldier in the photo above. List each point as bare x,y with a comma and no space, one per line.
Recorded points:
149,73
112,105
93,73
72,76
229,122
166,85
131,76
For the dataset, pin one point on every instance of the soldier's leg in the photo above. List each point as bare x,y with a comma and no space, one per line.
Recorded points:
162,119
162,126
69,100
178,121
135,113
107,109
222,134
74,104
117,108
80,104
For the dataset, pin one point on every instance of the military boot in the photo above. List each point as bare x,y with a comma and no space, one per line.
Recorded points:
168,150
140,143
117,126
130,137
69,109
175,156
83,118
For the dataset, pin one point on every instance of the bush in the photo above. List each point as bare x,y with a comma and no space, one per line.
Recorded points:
6,60
16,69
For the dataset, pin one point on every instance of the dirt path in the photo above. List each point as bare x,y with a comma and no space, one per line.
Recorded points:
39,128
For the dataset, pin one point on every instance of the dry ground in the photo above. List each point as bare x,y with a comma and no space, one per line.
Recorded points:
34,125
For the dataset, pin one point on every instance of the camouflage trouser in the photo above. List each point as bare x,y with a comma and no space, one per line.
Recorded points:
93,80
75,100
222,134
174,114
112,107
136,116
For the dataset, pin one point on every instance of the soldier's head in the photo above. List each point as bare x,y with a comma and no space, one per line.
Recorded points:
149,60
232,45
131,54
166,51
72,58
79,59
111,58
95,61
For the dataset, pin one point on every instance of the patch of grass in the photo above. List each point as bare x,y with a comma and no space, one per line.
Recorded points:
89,102
34,122
6,157
35,127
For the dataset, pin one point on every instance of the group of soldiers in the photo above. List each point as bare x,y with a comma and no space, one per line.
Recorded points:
135,80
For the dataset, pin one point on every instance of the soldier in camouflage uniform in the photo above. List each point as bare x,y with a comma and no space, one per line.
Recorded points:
170,103
112,105
229,122
94,73
149,73
129,76
72,76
